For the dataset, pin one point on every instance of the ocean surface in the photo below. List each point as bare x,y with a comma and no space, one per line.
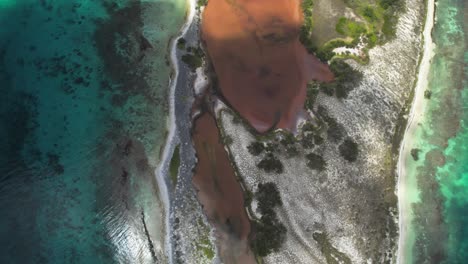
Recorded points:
83,117
439,229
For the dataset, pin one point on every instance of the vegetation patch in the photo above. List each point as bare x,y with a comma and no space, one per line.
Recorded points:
315,162
181,43
306,29
268,233
349,150
335,130
270,163
346,78
415,154
375,25
256,148
427,94
332,255
204,245
201,3
350,28
193,58
311,96
174,165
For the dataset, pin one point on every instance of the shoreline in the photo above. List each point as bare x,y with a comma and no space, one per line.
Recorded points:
162,170
416,113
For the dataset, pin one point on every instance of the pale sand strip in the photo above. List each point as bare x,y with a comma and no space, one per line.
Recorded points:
415,116
162,169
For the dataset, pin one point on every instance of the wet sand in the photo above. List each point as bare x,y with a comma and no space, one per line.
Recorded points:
220,194
261,66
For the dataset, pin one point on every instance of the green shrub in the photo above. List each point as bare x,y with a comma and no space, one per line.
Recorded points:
271,164
318,139
288,139
309,127
268,197
346,77
350,28
427,94
369,14
311,95
193,61
386,4
335,130
307,141
349,150
174,165
315,162
256,148
268,234
181,43
228,140
372,39
415,153
292,151
201,3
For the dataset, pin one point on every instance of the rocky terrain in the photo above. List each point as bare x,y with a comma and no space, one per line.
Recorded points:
347,210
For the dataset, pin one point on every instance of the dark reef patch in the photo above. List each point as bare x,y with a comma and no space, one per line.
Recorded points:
123,49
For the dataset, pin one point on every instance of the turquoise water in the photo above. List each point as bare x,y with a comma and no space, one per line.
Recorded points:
83,111
441,217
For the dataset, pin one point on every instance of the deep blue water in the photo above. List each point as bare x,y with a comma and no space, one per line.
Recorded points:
83,111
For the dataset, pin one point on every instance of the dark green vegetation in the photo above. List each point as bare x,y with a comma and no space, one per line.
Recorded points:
427,94
285,143
375,26
256,148
181,43
310,136
346,78
174,165
335,131
380,20
201,3
204,245
349,150
306,29
268,233
332,255
270,163
315,162
193,58
311,96
415,153
350,28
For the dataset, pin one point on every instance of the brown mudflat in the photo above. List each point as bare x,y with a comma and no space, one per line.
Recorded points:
220,194
261,66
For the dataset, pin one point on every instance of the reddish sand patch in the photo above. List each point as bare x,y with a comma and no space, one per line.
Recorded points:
262,67
220,193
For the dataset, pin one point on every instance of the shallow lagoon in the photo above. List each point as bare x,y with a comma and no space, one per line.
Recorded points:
82,119
439,227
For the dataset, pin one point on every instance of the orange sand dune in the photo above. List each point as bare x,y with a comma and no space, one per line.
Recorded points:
262,67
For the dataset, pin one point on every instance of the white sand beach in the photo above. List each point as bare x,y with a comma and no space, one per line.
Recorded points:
406,185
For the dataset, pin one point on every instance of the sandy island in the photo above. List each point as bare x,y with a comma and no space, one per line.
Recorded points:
405,185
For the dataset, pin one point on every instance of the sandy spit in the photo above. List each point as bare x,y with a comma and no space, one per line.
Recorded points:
162,169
